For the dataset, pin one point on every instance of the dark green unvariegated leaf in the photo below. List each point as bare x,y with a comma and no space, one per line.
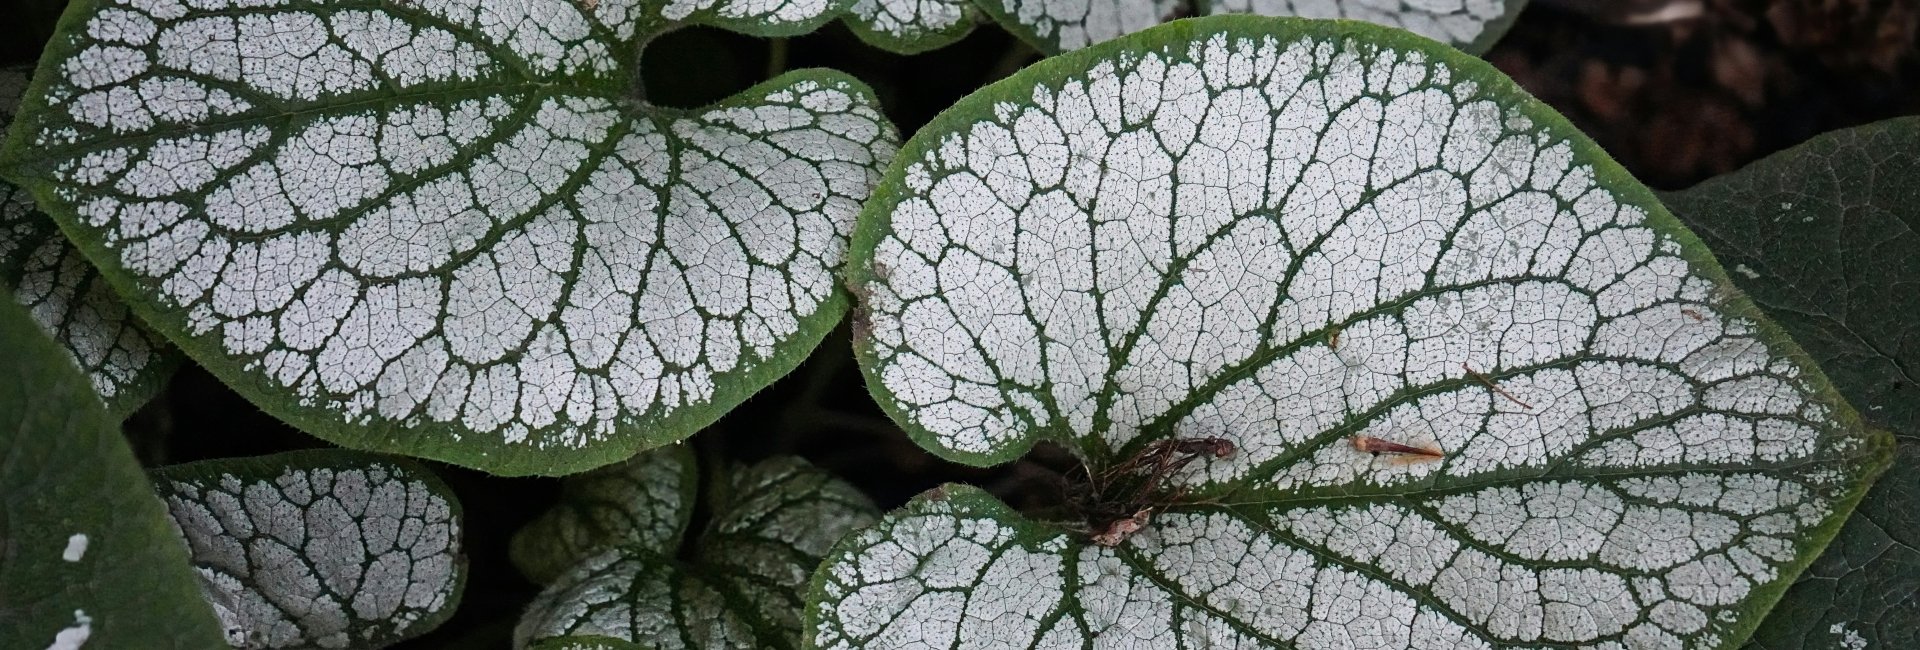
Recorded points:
320,549
739,586
87,557
125,361
645,501
447,228
1823,237
1297,237
1060,25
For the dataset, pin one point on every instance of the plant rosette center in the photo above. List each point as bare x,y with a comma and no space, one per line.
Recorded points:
1471,384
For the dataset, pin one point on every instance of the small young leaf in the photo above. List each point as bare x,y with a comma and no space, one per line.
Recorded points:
320,549
1293,243
911,26
645,501
446,228
1823,236
1060,25
126,362
87,555
741,588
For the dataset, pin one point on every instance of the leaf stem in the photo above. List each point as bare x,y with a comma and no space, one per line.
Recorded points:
776,57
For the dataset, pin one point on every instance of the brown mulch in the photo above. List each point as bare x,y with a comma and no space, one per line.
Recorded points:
1682,90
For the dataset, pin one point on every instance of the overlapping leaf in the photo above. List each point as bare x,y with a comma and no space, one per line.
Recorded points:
445,227
1297,236
319,549
1823,237
87,556
739,585
126,362
646,501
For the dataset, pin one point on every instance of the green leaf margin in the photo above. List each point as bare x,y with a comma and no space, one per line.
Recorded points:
1833,227
66,469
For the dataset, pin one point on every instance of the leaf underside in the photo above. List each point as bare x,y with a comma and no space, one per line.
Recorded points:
1822,236
444,227
125,362
319,549
742,586
1288,234
87,556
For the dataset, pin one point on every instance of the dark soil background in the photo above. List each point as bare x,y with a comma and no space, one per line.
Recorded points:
1677,90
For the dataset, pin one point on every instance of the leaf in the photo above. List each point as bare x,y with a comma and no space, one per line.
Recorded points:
1062,25
446,228
320,548
912,26
739,586
1822,236
645,501
126,363
1307,239
87,555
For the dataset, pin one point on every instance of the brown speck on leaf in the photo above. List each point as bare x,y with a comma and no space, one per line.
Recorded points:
1494,387
1693,314
862,323
1372,445
1333,338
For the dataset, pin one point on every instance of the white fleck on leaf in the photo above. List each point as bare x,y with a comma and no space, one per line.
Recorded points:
76,635
445,227
319,549
1061,25
645,501
76,548
1306,239
126,362
740,587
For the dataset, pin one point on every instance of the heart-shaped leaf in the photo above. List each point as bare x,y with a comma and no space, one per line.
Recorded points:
445,227
1823,236
1060,25
739,585
126,362
87,556
1362,346
319,549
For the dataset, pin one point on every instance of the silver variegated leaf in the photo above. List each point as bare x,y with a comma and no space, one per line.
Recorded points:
126,362
645,501
740,584
1301,243
319,549
447,228
1061,25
